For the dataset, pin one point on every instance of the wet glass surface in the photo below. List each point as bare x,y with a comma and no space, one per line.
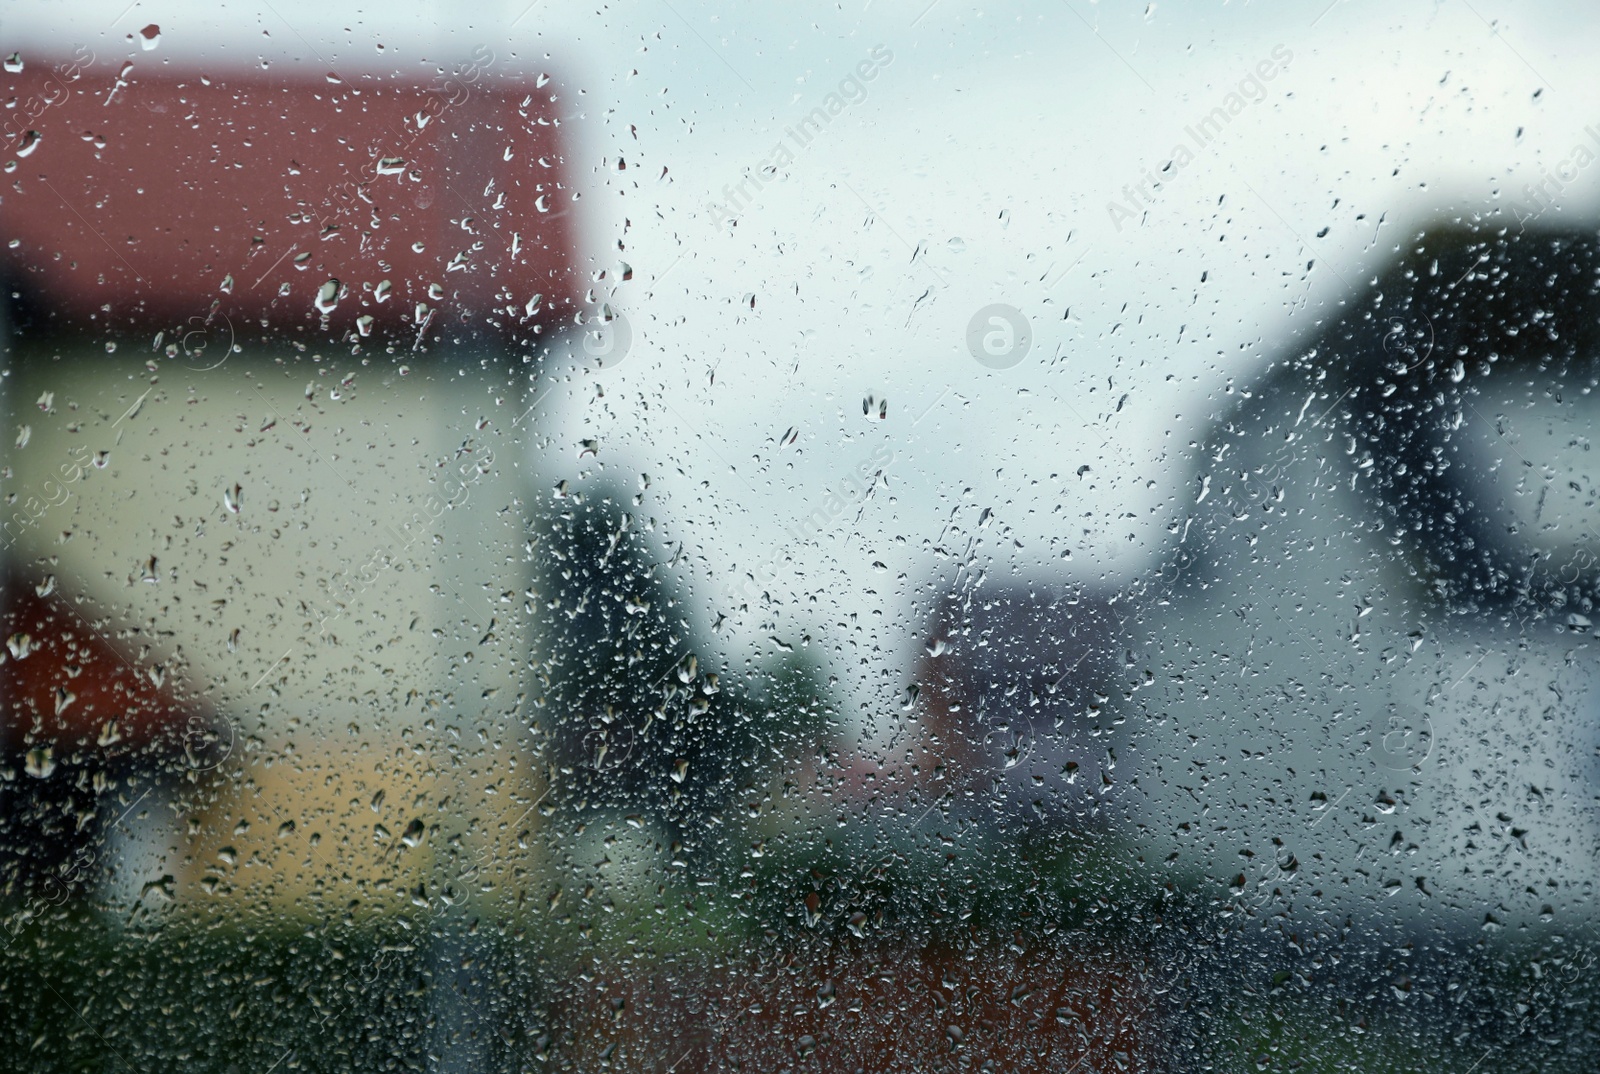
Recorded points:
882,538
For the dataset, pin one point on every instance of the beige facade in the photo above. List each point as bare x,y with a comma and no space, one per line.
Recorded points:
329,549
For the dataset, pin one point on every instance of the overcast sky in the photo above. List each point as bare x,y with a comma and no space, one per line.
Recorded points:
976,167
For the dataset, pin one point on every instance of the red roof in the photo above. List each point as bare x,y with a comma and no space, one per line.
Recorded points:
66,685
158,192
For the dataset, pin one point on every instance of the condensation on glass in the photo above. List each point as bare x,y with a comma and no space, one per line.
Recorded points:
744,542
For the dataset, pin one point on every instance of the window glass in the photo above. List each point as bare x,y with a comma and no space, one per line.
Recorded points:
887,537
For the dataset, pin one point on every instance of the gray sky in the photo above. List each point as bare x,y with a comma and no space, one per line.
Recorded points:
977,168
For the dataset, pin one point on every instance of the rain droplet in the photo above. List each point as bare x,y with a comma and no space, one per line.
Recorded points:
231,498
688,669
413,834
150,37
41,761
327,297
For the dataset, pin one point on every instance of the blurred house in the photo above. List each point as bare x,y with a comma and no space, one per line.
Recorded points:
301,368
88,735
1371,694
1014,695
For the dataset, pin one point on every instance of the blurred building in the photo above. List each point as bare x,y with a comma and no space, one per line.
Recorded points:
1373,688
265,416
1014,700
